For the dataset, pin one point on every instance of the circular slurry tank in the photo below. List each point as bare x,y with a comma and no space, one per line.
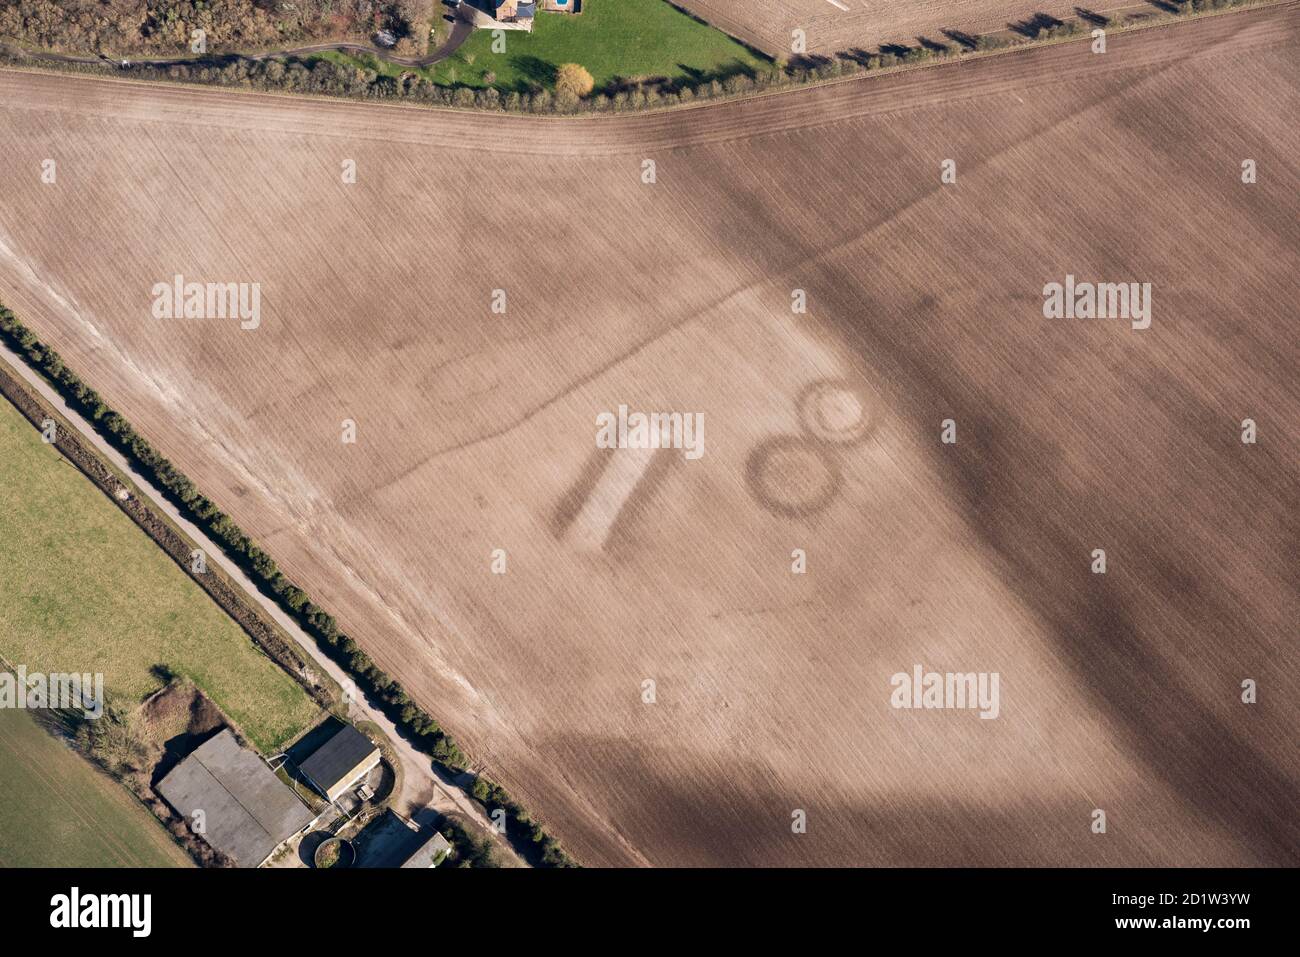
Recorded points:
334,852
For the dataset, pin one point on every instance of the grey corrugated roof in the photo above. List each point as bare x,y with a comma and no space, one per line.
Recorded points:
247,810
337,756
435,845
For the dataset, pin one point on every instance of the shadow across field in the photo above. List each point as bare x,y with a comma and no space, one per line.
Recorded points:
689,79
966,40
1091,17
1034,25
731,812
1188,588
1109,630
536,74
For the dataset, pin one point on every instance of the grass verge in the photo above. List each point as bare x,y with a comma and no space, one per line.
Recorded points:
618,41
83,590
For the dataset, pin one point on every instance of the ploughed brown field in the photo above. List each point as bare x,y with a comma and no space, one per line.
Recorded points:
476,431
834,26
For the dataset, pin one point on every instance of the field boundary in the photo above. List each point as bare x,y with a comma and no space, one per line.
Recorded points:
176,546
161,815
325,80
528,837
195,848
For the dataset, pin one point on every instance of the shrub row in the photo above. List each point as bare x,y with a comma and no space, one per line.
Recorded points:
160,26
324,77
379,686
520,827
220,589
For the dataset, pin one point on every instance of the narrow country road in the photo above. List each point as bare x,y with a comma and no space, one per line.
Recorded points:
421,785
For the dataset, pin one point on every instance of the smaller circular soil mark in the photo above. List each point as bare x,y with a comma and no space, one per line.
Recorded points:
836,410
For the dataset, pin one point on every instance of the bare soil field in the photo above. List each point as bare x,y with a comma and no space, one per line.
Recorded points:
833,26
475,431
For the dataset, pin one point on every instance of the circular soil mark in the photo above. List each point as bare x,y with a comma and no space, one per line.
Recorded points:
835,410
792,476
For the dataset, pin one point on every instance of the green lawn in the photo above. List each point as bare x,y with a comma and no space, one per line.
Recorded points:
82,589
366,62
612,38
56,810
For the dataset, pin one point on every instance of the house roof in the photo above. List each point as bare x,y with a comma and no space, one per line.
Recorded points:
247,811
329,763
428,851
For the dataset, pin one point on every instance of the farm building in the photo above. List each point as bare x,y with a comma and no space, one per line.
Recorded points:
508,11
431,853
499,14
340,762
243,809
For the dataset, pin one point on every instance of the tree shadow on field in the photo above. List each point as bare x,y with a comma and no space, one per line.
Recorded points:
536,72
967,40
729,812
1033,25
934,46
1091,17
691,78
856,55
1108,630
626,84
808,61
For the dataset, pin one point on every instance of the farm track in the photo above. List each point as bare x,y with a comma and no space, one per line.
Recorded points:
422,786
1120,691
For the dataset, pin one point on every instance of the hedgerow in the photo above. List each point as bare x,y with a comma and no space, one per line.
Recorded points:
378,686
325,77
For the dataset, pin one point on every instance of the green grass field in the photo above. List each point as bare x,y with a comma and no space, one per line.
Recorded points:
82,589
56,810
612,38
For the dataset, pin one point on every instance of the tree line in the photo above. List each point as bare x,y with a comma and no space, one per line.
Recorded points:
528,835
165,27
323,77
